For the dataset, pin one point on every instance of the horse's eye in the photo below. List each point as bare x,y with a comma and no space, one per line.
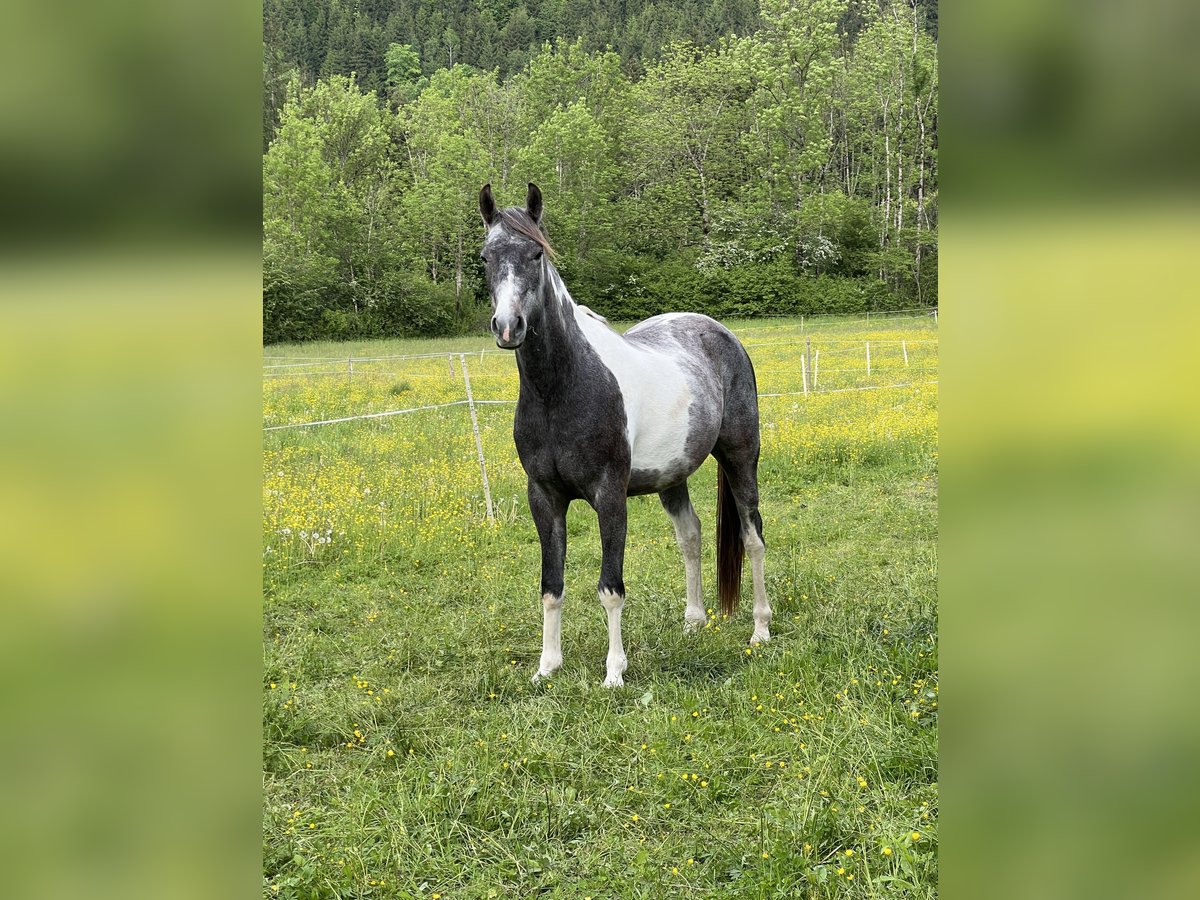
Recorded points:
537,255
483,256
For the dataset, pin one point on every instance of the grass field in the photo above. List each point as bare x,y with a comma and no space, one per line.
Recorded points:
407,754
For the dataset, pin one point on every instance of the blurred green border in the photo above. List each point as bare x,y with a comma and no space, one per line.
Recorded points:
130,351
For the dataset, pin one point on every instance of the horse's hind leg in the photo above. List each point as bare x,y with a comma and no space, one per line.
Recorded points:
678,504
741,470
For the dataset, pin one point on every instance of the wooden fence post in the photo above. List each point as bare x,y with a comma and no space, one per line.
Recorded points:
868,359
808,362
904,350
816,367
487,490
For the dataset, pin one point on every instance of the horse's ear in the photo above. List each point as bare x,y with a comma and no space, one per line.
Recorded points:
487,205
533,203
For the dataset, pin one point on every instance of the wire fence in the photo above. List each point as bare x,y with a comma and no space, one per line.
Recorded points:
479,402
806,365
300,362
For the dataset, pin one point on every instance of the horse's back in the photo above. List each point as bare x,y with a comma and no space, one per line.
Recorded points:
703,343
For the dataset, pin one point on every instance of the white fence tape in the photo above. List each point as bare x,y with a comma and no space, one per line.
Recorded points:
401,412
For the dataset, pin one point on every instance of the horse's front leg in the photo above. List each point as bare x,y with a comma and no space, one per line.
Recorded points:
610,509
549,511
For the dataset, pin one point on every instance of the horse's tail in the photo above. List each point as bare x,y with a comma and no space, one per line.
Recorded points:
730,550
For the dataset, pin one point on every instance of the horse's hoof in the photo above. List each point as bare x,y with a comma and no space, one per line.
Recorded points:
692,624
759,637
616,668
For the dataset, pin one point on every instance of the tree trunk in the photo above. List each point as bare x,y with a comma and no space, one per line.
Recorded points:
458,277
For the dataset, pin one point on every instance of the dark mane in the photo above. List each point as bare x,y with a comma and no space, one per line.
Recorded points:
516,219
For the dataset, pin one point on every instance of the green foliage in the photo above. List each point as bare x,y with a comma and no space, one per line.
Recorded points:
744,291
791,169
413,306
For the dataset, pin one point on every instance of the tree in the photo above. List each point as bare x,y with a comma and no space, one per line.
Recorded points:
691,115
570,158
446,164
403,65
297,265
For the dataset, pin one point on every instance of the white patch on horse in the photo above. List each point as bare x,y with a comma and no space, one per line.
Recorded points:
762,608
560,289
591,312
654,387
506,299
616,663
551,636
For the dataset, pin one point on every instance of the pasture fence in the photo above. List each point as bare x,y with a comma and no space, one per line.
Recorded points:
297,361
487,490
813,381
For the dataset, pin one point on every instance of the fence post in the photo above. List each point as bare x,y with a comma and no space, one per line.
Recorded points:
450,363
935,315
487,490
816,366
904,350
868,359
808,362
349,370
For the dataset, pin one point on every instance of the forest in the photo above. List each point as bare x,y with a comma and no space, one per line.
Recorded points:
738,157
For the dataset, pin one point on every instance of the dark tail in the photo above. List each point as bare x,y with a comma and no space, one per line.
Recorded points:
730,550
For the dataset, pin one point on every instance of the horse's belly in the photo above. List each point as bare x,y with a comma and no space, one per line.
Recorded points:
665,447
659,445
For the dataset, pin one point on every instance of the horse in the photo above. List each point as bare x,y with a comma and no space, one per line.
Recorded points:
602,417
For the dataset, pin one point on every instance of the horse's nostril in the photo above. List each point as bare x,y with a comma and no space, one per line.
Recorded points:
493,323
520,324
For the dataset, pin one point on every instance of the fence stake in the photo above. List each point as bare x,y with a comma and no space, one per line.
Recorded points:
935,315
450,363
904,348
816,366
349,370
868,359
487,490
808,361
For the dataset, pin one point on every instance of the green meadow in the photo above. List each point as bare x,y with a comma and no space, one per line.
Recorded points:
407,753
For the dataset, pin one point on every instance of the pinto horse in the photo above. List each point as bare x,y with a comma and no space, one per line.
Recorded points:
603,416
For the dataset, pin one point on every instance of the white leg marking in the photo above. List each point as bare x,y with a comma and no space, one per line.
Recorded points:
551,636
616,663
687,535
762,609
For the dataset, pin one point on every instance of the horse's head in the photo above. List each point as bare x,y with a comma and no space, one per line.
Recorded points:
513,253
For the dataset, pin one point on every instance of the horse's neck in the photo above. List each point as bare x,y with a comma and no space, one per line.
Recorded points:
548,356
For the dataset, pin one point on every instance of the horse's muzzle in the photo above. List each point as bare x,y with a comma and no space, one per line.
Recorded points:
509,333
